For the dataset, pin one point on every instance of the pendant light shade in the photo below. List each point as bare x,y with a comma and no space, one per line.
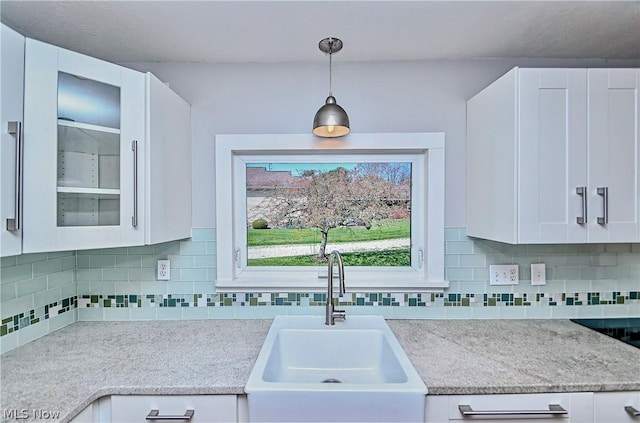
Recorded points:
331,120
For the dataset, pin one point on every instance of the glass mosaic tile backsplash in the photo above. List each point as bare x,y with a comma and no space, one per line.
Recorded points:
42,292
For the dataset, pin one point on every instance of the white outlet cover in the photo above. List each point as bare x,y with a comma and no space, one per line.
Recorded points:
164,270
503,274
538,274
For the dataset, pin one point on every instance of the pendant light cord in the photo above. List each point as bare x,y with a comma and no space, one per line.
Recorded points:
330,67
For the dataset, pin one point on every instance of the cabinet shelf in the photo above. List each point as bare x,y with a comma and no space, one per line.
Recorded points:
88,191
79,125
90,139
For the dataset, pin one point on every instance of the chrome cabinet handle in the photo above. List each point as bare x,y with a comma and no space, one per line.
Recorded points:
582,192
15,223
632,411
604,192
134,218
155,415
554,409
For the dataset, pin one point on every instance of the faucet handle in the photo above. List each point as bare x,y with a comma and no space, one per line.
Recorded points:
340,314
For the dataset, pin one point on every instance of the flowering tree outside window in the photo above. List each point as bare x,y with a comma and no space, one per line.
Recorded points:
356,195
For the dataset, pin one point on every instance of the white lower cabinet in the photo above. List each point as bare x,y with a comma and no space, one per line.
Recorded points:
580,407
616,407
436,409
99,411
553,407
202,408
86,415
161,408
243,409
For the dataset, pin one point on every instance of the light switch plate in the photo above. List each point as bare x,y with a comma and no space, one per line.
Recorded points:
538,274
164,270
503,274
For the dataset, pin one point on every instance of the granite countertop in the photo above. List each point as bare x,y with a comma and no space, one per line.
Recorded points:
516,356
69,369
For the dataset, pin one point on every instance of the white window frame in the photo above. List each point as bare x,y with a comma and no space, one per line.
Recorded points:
424,150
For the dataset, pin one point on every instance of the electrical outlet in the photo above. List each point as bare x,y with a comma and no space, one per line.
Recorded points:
538,274
503,274
164,270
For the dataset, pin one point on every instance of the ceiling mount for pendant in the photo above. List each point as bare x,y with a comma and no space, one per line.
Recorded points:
331,120
330,45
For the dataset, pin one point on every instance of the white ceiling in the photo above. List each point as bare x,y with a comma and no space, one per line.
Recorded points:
289,31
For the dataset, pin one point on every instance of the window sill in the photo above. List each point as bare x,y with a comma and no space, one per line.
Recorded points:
354,281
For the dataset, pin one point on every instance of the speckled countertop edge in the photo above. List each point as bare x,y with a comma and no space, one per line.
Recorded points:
69,369
516,356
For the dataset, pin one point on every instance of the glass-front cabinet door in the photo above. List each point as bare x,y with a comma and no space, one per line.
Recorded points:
88,187
84,139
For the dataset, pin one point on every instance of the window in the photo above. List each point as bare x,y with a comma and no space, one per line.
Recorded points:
298,212
269,181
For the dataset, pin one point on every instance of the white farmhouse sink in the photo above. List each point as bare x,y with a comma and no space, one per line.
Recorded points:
353,371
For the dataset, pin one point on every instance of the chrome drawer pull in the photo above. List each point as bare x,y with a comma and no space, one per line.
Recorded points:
554,409
15,223
604,193
134,218
582,192
632,411
155,415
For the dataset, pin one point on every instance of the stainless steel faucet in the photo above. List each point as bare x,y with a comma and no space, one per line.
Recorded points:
332,313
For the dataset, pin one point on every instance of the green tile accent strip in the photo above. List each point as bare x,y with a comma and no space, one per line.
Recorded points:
14,323
31,317
353,299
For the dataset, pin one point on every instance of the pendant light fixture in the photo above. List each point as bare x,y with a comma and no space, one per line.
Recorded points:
331,120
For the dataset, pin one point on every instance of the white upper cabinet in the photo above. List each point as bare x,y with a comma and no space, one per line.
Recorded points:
168,170
84,145
552,154
11,93
614,155
552,157
107,155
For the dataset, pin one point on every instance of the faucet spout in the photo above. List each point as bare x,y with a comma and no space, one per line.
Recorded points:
331,312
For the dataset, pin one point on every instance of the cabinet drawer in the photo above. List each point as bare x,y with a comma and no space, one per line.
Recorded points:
206,408
85,416
610,407
523,407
